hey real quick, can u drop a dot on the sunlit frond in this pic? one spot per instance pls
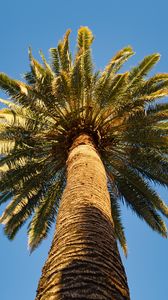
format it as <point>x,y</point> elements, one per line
<point>64,54</point>
<point>143,68</point>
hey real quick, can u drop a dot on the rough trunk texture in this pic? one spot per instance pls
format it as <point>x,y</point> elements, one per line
<point>84,262</point>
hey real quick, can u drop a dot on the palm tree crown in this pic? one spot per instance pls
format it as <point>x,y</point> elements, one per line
<point>63,99</point>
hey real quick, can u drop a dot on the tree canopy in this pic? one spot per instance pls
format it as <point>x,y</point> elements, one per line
<point>63,98</point>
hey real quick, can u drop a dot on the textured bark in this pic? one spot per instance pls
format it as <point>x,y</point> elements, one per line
<point>84,262</point>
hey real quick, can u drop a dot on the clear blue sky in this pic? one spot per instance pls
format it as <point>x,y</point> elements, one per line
<point>115,24</point>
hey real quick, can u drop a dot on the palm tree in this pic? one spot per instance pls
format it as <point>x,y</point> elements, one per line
<point>93,140</point>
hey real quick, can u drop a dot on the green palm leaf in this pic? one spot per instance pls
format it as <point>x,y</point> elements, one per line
<point>140,205</point>
<point>45,213</point>
<point>116,214</point>
<point>55,64</point>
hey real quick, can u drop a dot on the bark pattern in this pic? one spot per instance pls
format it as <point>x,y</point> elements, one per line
<point>84,262</point>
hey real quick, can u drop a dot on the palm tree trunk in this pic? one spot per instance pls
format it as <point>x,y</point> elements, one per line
<point>84,262</point>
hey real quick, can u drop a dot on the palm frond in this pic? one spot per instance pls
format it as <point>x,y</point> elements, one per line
<point>64,53</point>
<point>6,146</point>
<point>55,64</point>
<point>143,187</point>
<point>84,39</point>
<point>119,59</point>
<point>23,212</point>
<point>45,213</point>
<point>144,67</point>
<point>140,205</point>
<point>5,196</point>
<point>39,71</point>
<point>12,87</point>
<point>83,56</point>
<point>116,215</point>
<point>103,85</point>
<point>151,164</point>
<point>155,95</point>
<point>46,65</point>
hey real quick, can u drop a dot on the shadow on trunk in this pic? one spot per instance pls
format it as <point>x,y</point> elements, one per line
<point>95,270</point>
